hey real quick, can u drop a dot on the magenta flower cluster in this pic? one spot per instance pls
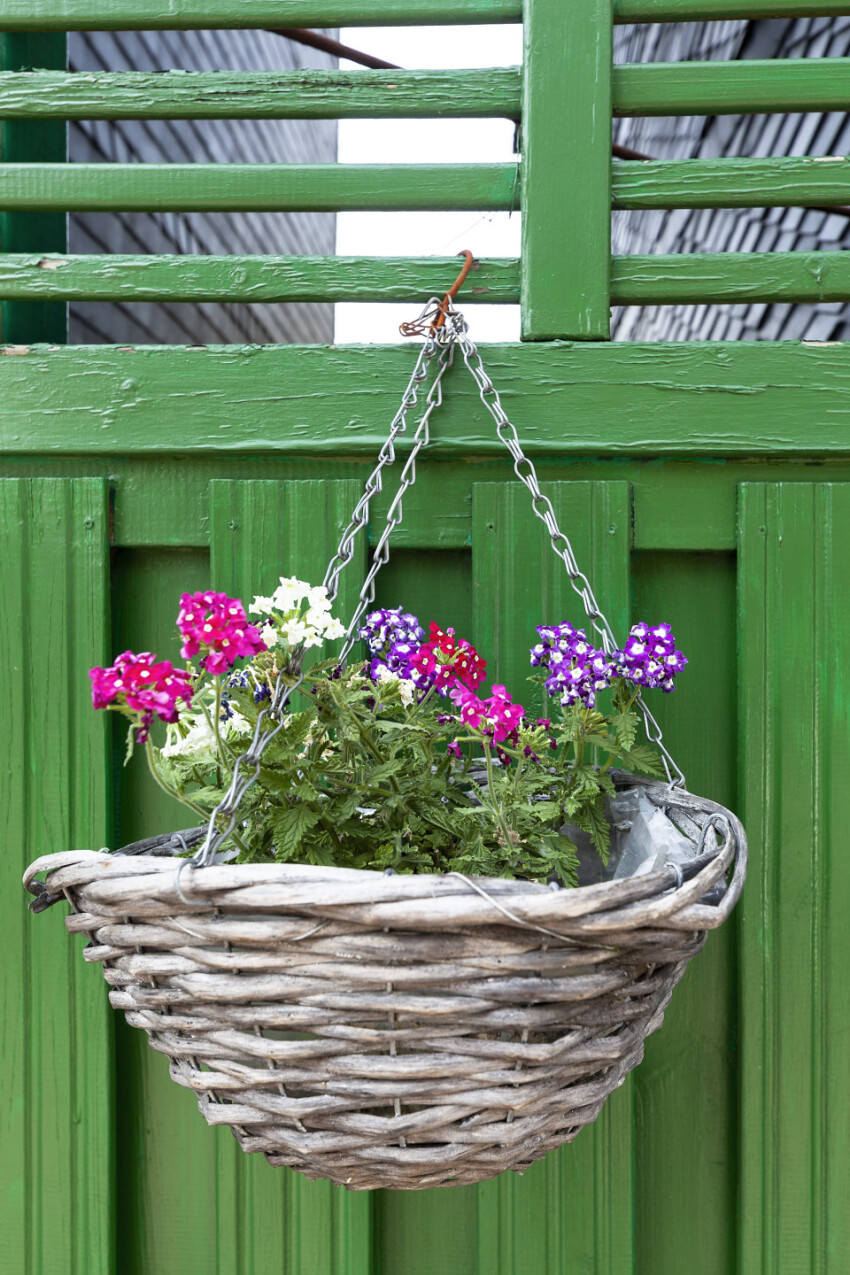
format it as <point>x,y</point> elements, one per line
<point>210,623</point>
<point>577,671</point>
<point>498,717</point>
<point>218,626</point>
<point>143,684</point>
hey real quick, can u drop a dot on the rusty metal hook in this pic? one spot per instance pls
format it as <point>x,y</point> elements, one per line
<point>418,327</point>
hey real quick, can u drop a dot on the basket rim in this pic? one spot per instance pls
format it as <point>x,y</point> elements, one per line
<point>669,896</point>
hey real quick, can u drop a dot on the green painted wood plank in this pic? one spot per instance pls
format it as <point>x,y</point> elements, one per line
<point>167,1156</point>
<point>732,88</point>
<point>28,319</point>
<point>57,1162</point>
<point>794,649</point>
<point>256,187</point>
<point>711,10</point>
<point>568,400</point>
<point>728,277</point>
<point>260,530</point>
<point>676,279</point>
<point>113,277</point>
<point>686,1190</point>
<point>572,1213</point>
<point>302,94</point>
<point>157,15</point>
<point>731,183</point>
<point>566,223</point>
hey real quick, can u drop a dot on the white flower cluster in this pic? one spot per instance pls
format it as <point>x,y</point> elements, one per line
<point>299,615</point>
<point>199,743</point>
<point>406,689</point>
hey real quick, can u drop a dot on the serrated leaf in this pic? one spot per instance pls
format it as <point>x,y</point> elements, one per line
<point>645,758</point>
<point>290,825</point>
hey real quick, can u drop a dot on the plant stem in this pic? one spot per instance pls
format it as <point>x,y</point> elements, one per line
<point>494,804</point>
<point>166,788</point>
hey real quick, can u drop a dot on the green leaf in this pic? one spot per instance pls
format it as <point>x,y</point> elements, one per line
<point>289,827</point>
<point>645,758</point>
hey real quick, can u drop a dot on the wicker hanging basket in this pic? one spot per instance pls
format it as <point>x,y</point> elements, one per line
<point>398,1031</point>
<point>401,1031</point>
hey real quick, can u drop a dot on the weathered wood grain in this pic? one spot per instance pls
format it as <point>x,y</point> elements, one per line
<point>303,94</point>
<point>568,400</point>
<point>153,15</point>
<point>259,278</point>
<point>676,279</point>
<point>500,1099</point>
<point>731,183</point>
<point>732,88</point>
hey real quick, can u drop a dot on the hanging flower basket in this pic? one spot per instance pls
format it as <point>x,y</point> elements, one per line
<point>383,1029</point>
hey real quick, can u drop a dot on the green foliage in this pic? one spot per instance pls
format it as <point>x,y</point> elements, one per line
<point>361,777</point>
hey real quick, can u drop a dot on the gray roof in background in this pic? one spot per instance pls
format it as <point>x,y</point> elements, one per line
<point>191,141</point>
<point>733,230</point>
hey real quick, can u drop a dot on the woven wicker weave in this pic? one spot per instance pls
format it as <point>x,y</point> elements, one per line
<point>397,1031</point>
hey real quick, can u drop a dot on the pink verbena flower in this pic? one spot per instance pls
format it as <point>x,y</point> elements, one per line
<point>144,685</point>
<point>498,717</point>
<point>503,715</point>
<point>216,624</point>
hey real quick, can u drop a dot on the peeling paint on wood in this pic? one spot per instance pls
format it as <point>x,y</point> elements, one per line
<point>577,399</point>
<point>303,94</point>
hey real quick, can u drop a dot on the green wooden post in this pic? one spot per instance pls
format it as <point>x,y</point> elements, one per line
<point>274,1219</point>
<point>794,597</point>
<point>42,141</point>
<point>566,170</point>
<point>56,1135</point>
<point>572,1214</point>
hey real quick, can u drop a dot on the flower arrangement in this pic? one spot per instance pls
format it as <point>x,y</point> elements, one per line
<point>398,760</point>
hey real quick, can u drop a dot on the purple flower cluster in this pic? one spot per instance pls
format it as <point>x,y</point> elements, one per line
<point>650,658</point>
<point>392,638</point>
<point>577,671</point>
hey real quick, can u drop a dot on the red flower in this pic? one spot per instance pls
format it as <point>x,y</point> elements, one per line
<point>448,661</point>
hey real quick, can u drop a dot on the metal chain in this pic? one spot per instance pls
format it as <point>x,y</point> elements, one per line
<point>542,506</point>
<point>246,768</point>
<point>421,438</point>
<point>452,333</point>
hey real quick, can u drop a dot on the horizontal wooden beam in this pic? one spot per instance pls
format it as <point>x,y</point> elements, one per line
<point>731,183</point>
<point>257,187</point>
<point>731,88</point>
<point>566,399</point>
<point>688,183</point>
<point>207,15</point>
<point>711,10</point>
<point>304,94</point>
<point>728,277</point>
<point>91,277</point>
<point>678,279</point>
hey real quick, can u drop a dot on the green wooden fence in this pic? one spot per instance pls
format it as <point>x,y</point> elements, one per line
<point>705,484</point>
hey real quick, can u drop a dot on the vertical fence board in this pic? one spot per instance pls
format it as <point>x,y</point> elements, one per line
<point>794,597</point>
<point>260,530</point>
<point>571,1214</point>
<point>566,170</point>
<point>56,1154</point>
<point>685,1088</point>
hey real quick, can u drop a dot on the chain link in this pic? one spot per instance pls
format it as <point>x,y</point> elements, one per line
<point>453,333</point>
